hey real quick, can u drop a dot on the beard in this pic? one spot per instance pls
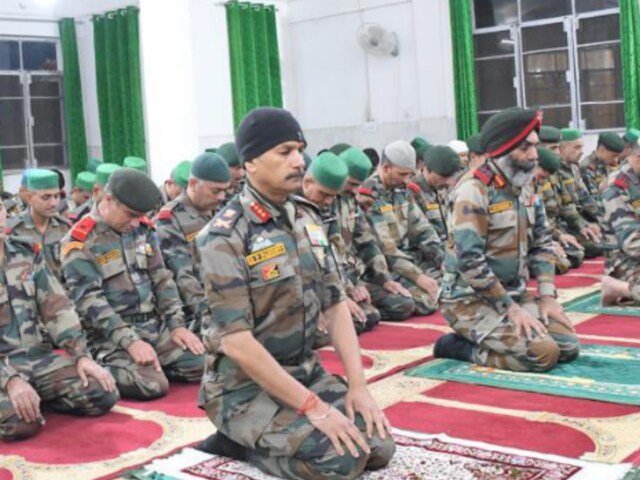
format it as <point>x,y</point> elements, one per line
<point>519,173</point>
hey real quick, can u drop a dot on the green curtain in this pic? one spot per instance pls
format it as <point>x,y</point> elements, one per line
<point>463,68</point>
<point>630,40</point>
<point>254,57</point>
<point>74,113</point>
<point>117,53</point>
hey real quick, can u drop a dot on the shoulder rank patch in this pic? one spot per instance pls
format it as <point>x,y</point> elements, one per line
<point>265,254</point>
<point>108,257</point>
<point>69,247</point>
<point>365,191</point>
<point>501,206</point>
<point>484,174</point>
<point>622,181</point>
<point>414,187</point>
<point>164,214</point>
<point>83,228</point>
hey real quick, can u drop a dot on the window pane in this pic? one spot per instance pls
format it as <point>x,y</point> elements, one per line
<point>14,158</point>
<point>45,86</point>
<point>493,44</point>
<point>608,115</point>
<point>545,78</point>
<point>10,86</point>
<point>557,117</point>
<point>544,37</point>
<point>599,29</point>
<point>39,56</point>
<point>47,127</point>
<point>494,80</point>
<point>9,55</point>
<point>12,123</point>
<point>592,5</point>
<point>600,73</point>
<point>539,9</point>
<point>490,13</point>
<point>49,156</point>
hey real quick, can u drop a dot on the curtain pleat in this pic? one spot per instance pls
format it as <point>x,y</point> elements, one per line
<point>630,42</point>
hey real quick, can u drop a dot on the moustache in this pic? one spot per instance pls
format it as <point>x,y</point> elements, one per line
<point>291,176</point>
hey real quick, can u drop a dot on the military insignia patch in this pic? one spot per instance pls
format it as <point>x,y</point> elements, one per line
<point>69,247</point>
<point>265,254</point>
<point>317,236</point>
<point>501,206</point>
<point>270,272</point>
<point>545,187</point>
<point>229,213</point>
<point>635,204</point>
<point>386,209</point>
<point>260,243</point>
<point>433,206</point>
<point>108,257</point>
<point>26,275</point>
<point>219,223</point>
<point>568,181</point>
<point>192,236</point>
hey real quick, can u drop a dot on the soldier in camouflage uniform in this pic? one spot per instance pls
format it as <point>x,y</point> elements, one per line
<point>30,373</point>
<point>578,209</point>
<point>630,138</point>
<point>430,187</point>
<point>176,183</point>
<point>128,300</point>
<point>550,138</point>
<point>82,190</point>
<point>476,155</point>
<point>229,152</point>
<point>41,222</point>
<point>596,167</point>
<point>498,231</point>
<point>18,203</point>
<point>103,172</point>
<point>568,251</point>
<point>409,242</point>
<point>179,222</point>
<point>268,275</point>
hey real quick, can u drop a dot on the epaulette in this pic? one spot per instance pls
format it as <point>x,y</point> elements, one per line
<point>147,222</point>
<point>82,229</point>
<point>226,219</point>
<point>26,242</point>
<point>414,187</point>
<point>486,175</point>
<point>13,222</point>
<point>259,211</point>
<point>622,181</point>
<point>164,214</point>
<point>365,191</point>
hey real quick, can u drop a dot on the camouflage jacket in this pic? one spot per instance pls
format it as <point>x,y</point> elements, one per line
<point>497,234</point>
<point>30,294</point>
<point>14,205</point>
<point>578,206</point>
<point>356,244</point>
<point>23,226</point>
<point>80,212</point>
<point>266,269</point>
<point>177,225</point>
<point>621,200</point>
<point>594,173</point>
<point>405,234</point>
<point>432,203</point>
<point>112,276</point>
<point>549,190</point>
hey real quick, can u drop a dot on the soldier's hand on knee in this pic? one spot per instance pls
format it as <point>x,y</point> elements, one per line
<point>361,294</point>
<point>397,288</point>
<point>88,368</point>
<point>429,285</point>
<point>144,354</point>
<point>359,400</point>
<point>551,308</point>
<point>24,399</point>
<point>338,428</point>
<point>184,338</point>
<point>525,322</point>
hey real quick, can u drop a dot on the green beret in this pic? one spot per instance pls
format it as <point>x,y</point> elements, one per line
<point>570,134</point>
<point>473,142</point>
<point>136,163</point>
<point>442,160</point>
<point>229,152</point>
<point>548,161</point>
<point>632,136</point>
<point>40,179</point>
<point>358,164</point>
<point>338,148</point>
<point>93,164</point>
<point>211,167</point>
<point>550,134</point>
<point>420,145</point>
<point>85,181</point>
<point>611,142</point>
<point>329,170</point>
<point>504,131</point>
<point>134,189</point>
<point>180,174</point>
<point>104,171</point>
<point>307,160</point>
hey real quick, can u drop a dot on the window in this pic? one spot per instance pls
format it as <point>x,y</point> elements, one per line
<point>562,56</point>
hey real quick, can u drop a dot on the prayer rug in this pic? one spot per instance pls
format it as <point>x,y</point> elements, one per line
<point>592,303</point>
<point>601,372</point>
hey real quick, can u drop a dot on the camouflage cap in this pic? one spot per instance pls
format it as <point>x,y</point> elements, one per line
<point>180,174</point>
<point>358,164</point>
<point>104,171</point>
<point>611,141</point>
<point>549,134</point>
<point>85,181</point>
<point>548,161</point>
<point>41,179</point>
<point>135,163</point>
<point>134,189</point>
<point>442,160</point>
<point>329,170</point>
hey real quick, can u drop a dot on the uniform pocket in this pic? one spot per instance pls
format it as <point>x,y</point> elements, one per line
<point>113,268</point>
<point>503,220</point>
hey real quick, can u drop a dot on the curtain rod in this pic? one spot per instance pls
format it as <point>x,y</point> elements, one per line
<point>222,4</point>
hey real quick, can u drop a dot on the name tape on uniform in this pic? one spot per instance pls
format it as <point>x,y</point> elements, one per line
<point>501,206</point>
<point>266,254</point>
<point>191,236</point>
<point>108,257</point>
<point>433,206</point>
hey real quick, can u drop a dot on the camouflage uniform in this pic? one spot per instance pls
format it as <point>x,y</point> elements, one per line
<point>15,205</point>
<point>58,226</point>
<point>497,234</point>
<point>433,205</point>
<point>409,242</point>
<point>124,293</point>
<point>177,225</point>
<point>594,173</point>
<point>268,270</point>
<point>360,258</point>
<point>548,189</point>
<point>576,207</point>
<point>30,293</point>
<point>80,212</point>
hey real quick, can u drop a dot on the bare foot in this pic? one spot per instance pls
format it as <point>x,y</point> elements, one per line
<point>613,290</point>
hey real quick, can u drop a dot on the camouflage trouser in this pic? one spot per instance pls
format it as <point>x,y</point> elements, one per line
<point>143,382</point>
<point>291,448</point>
<point>575,255</point>
<point>56,380</point>
<point>591,249</point>
<point>373,318</point>
<point>392,307</point>
<point>501,347</point>
<point>631,276</point>
<point>562,264</point>
<point>424,304</point>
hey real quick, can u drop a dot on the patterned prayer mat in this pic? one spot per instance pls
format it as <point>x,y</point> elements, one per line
<point>592,303</point>
<point>601,372</point>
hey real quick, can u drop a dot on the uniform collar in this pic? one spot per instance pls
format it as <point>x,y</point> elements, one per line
<point>628,171</point>
<point>257,207</point>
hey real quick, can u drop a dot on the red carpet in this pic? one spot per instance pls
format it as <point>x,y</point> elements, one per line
<point>331,362</point>
<point>569,281</point>
<point>434,319</point>
<point>592,267</point>
<point>611,326</point>
<point>388,337</point>
<point>5,474</point>
<point>182,401</point>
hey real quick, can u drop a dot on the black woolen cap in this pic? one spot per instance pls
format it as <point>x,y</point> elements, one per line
<point>264,128</point>
<point>134,189</point>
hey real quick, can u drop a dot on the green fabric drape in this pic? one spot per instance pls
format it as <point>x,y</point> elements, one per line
<point>117,53</point>
<point>630,40</point>
<point>254,57</point>
<point>463,68</point>
<point>74,113</point>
